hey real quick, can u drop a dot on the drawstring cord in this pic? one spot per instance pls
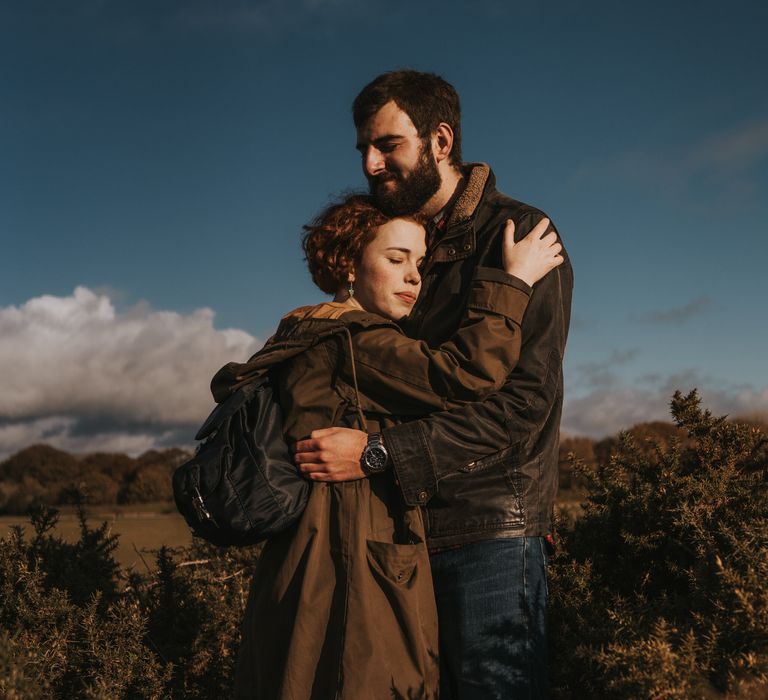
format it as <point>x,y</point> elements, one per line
<point>358,406</point>
<point>253,373</point>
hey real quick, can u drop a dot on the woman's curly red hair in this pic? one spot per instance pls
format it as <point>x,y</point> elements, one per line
<point>336,238</point>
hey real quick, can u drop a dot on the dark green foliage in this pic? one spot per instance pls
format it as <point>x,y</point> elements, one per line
<point>662,590</point>
<point>194,606</point>
<point>64,633</point>
<point>72,625</point>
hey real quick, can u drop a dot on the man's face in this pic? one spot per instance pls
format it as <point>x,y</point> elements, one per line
<point>401,169</point>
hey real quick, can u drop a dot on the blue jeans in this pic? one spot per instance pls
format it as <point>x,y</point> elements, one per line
<point>491,607</point>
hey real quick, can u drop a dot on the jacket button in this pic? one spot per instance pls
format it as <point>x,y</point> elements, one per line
<point>422,496</point>
<point>451,251</point>
<point>467,246</point>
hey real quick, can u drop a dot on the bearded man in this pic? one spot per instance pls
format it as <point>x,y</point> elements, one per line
<point>485,474</point>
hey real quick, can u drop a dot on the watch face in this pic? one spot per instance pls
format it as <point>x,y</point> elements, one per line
<point>376,458</point>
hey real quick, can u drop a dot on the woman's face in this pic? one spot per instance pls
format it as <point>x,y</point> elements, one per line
<point>387,279</point>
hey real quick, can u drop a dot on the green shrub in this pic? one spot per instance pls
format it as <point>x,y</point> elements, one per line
<point>662,588</point>
<point>73,625</point>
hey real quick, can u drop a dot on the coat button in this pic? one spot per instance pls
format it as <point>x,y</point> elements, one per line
<point>467,246</point>
<point>451,251</point>
<point>422,497</point>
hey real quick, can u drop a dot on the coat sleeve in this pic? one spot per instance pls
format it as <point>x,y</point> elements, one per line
<point>426,450</point>
<point>397,374</point>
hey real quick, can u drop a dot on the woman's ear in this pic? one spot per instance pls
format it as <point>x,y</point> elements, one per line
<point>351,275</point>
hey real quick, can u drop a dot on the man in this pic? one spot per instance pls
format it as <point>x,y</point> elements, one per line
<point>485,474</point>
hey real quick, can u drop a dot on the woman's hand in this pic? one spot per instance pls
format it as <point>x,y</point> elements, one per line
<point>534,256</point>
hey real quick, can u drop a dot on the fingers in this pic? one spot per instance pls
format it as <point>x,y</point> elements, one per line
<point>319,476</point>
<point>551,245</point>
<point>316,457</point>
<point>314,442</point>
<point>306,446</point>
<point>541,228</point>
<point>509,237</point>
<point>322,432</point>
<point>549,239</point>
<point>308,468</point>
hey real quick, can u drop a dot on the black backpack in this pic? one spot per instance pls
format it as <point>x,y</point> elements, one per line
<point>241,486</point>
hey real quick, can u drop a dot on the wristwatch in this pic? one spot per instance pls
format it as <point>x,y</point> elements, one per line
<point>375,457</point>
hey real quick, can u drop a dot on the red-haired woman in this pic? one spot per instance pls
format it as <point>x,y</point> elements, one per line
<point>342,604</point>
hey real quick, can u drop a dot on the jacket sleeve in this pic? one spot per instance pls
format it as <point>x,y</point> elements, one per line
<point>403,376</point>
<point>426,450</point>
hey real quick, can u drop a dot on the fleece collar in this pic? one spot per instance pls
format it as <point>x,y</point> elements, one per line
<point>459,238</point>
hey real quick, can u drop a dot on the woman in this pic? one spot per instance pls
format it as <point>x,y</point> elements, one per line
<point>342,604</point>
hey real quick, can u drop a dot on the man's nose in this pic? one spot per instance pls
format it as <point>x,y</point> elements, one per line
<point>373,161</point>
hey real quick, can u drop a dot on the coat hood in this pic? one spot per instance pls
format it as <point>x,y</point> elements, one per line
<point>298,331</point>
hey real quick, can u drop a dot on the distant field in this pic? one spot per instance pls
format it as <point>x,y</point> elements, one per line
<point>142,527</point>
<point>147,526</point>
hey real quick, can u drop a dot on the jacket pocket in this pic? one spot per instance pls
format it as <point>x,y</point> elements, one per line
<point>395,563</point>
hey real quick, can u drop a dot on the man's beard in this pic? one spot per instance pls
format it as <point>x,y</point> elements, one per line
<point>412,191</point>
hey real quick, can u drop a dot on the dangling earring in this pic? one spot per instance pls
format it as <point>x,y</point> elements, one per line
<point>351,289</point>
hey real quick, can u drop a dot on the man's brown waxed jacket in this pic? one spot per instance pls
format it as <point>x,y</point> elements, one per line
<point>488,469</point>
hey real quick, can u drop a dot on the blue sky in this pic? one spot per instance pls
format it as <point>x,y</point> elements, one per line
<point>162,157</point>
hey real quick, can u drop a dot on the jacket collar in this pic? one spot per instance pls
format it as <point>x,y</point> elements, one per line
<point>458,241</point>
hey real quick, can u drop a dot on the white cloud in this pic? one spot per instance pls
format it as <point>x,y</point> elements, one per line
<point>138,374</point>
<point>78,374</point>
<point>607,408</point>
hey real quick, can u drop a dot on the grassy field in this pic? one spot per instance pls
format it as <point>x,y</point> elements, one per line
<point>146,527</point>
<point>142,528</point>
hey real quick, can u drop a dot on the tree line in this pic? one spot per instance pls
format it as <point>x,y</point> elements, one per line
<point>42,475</point>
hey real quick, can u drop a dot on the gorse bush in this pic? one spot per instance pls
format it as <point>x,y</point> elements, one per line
<point>73,626</point>
<point>662,590</point>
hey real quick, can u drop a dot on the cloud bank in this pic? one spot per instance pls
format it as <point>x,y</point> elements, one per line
<point>600,402</point>
<point>78,374</point>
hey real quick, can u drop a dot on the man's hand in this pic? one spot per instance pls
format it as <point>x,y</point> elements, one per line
<point>332,454</point>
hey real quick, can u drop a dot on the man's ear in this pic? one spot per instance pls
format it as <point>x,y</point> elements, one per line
<point>442,141</point>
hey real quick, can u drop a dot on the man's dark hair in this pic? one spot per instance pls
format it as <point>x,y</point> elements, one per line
<point>425,97</point>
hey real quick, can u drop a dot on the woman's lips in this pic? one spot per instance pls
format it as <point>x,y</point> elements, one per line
<point>407,297</point>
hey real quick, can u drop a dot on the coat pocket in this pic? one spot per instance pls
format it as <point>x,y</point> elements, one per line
<point>395,621</point>
<point>396,563</point>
